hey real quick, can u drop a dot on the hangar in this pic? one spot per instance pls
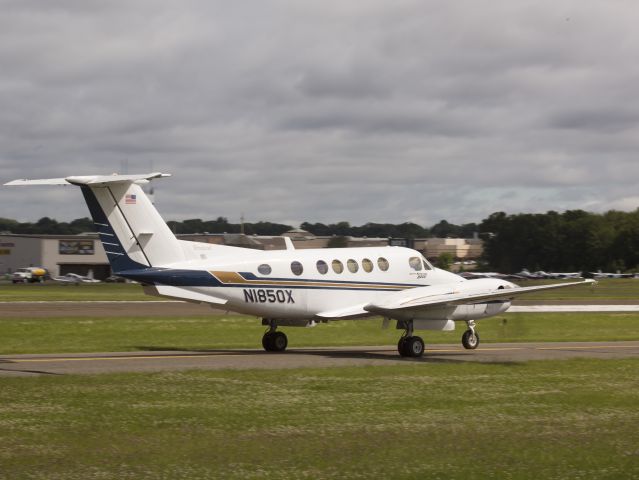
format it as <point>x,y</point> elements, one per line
<point>59,254</point>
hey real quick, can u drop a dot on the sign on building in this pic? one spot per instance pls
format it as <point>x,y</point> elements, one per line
<point>76,247</point>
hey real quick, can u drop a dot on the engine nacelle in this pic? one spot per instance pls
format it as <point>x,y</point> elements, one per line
<point>479,310</point>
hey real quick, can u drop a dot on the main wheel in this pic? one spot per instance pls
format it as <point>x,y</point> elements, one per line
<point>279,342</point>
<point>470,340</point>
<point>414,347</point>
<point>401,347</point>
<point>267,341</point>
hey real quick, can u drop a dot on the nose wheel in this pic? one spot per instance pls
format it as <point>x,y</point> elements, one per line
<point>470,338</point>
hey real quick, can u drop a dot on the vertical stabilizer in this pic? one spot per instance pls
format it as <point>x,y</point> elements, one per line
<point>133,233</point>
<point>142,233</point>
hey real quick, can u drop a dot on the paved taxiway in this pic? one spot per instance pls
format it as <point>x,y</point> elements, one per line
<point>150,361</point>
<point>176,308</point>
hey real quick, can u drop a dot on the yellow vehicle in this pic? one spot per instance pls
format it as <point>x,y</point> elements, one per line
<point>29,275</point>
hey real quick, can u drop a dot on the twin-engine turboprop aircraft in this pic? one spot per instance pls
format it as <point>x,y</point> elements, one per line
<point>285,287</point>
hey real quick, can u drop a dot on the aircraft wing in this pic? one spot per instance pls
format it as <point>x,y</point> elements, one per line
<point>423,298</point>
<point>344,313</point>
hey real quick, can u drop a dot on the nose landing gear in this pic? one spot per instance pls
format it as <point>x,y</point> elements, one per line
<point>470,338</point>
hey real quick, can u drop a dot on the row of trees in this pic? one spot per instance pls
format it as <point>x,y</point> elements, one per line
<point>222,225</point>
<point>571,241</point>
<point>443,229</point>
<point>47,226</point>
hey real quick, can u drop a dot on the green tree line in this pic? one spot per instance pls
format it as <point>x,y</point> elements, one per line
<point>575,240</point>
<point>442,229</point>
<point>571,241</point>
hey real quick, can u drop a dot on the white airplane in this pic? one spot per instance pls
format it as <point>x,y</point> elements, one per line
<point>552,275</point>
<point>286,287</point>
<point>74,278</point>
<point>618,274</point>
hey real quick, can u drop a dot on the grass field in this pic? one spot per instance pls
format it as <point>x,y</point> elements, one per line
<point>605,289</point>
<point>540,420</point>
<point>608,289</point>
<point>50,291</point>
<point>58,335</point>
<point>550,420</point>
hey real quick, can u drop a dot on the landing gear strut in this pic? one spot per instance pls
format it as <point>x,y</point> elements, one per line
<point>470,338</point>
<point>410,345</point>
<point>274,341</point>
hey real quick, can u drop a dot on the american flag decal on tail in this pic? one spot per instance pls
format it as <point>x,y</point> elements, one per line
<point>130,199</point>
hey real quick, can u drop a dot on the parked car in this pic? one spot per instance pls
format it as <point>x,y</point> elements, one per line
<point>115,279</point>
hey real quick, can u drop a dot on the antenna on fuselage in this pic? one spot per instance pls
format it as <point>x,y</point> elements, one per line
<point>289,243</point>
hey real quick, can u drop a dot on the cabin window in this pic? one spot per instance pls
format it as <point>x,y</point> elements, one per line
<point>322,267</point>
<point>415,263</point>
<point>367,265</point>
<point>382,263</point>
<point>297,268</point>
<point>338,267</point>
<point>264,269</point>
<point>352,266</point>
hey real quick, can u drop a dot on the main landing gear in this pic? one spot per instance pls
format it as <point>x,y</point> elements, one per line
<point>410,345</point>
<point>274,341</point>
<point>470,338</point>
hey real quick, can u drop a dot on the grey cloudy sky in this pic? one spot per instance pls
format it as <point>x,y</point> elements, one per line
<point>293,110</point>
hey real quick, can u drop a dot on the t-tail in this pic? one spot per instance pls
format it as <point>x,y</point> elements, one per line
<point>134,235</point>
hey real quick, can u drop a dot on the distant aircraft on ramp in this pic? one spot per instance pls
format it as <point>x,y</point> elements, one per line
<point>552,275</point>
<point>286,287</point>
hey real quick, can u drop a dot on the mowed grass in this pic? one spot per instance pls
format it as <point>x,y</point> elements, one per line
<point>52,292</point>
<point>539,420</point>
<point>606,289</point>
<point>621,289</point>
<point>58,335</point>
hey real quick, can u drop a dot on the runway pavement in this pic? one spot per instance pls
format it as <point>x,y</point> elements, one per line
<point>176,308</point>
<point>153,361</point>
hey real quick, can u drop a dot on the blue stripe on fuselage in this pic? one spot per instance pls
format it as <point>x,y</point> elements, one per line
<point>251,276</point>
<point>202,278</point>
<point>173,277</point>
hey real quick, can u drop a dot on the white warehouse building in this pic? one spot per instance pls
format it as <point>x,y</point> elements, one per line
<point>59,254</point>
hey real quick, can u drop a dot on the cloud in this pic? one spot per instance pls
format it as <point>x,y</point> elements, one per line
<point>289,111</point>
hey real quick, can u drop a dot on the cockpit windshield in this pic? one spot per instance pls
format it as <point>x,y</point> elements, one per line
<point>415,263</point>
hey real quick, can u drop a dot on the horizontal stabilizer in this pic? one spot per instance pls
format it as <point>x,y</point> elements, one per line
<point>182,294</point>
<point>90,179</point>
<point>44,181</point>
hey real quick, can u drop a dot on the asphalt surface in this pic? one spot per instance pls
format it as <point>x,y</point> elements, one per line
<point>105,309</point>
<point>153,361</point>
<point>178,309</point>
